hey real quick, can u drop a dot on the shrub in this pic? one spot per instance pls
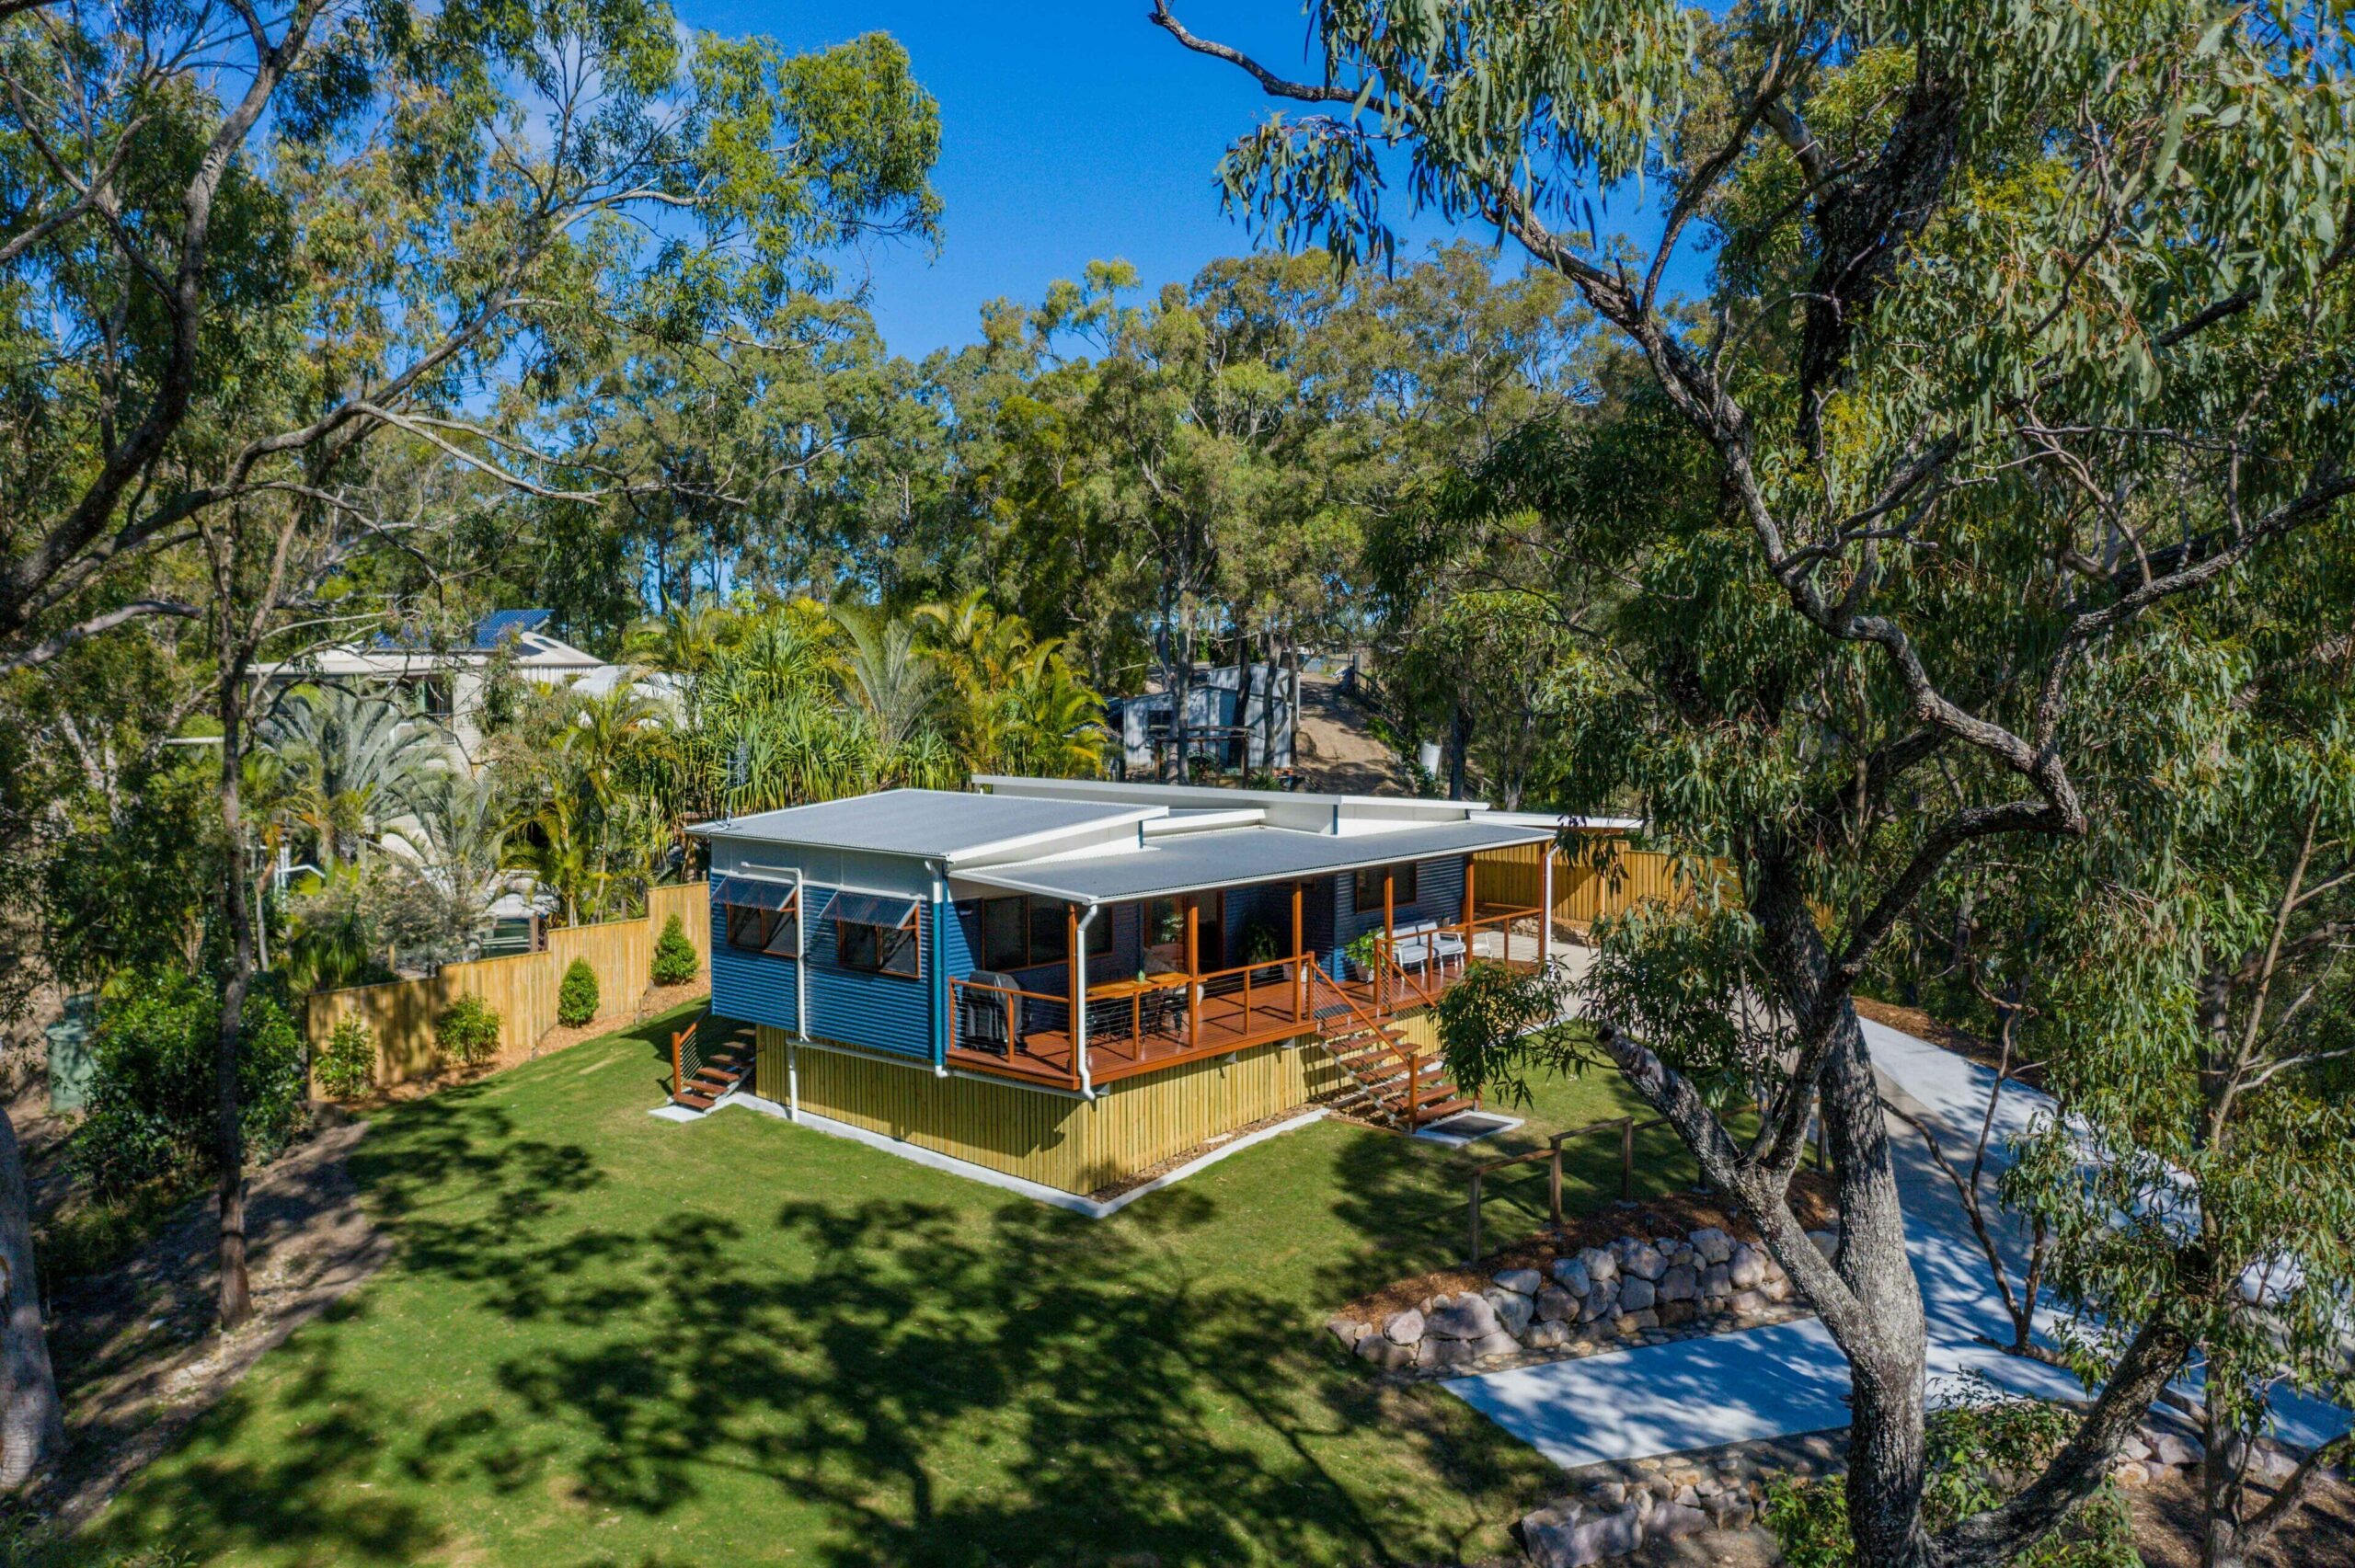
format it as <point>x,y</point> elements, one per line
<point>1978,1453</point>
<point>151,1103</point>
<point>467,1030</point>
<point>576,999</point>
<point>345,1068</point>
<point>674,957</point>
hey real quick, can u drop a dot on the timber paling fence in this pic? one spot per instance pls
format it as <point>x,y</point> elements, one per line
<point>1583,892</point>
<point>521,988</point>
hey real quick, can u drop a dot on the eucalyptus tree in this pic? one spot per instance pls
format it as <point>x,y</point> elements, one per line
<point>2005,270</point>
<point>2181,977</point>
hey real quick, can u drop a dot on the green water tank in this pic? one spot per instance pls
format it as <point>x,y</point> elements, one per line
<point>73,1059</point>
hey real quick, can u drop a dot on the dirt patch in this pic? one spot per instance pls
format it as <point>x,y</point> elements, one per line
<point>1962,1042</point>
<point>2168,1519</point>
<point>134,1348</point>
<point>1334,753</point>
<point>1163,1167</point>
<point>1676,1214</point>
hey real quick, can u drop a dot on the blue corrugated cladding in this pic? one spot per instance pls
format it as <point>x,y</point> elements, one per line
<point>883,1012</point>
<point>1438,895</point>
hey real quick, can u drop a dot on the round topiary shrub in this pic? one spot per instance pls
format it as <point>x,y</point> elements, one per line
<point>467,1030</point>
<point>345,1068</point>
<point>575,998</point>
<point>674,957</point>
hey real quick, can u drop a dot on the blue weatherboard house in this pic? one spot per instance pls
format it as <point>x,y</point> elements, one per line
<point>1071,981</point>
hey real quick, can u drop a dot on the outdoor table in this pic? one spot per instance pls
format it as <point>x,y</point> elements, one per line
<point>1134,991</point>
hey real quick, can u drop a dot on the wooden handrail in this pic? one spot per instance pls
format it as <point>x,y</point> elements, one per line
<point>679,1061</point>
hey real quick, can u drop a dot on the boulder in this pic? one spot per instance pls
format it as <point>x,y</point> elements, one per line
<point>1729,1511</point>
<point>1461,1317</point>
<point>2130,1472</point>
<point>1678,1283</point>
<point>1776,1288</point>
<point>1498,1343</point>
<point>1573,1275</point>
<point>1671,1521</point>
<point>1556,1305</point>
<point>2169,1448</point>
<point>1643,1261</point>
<point>1713,1245</point>
<point>1600,1264</point>
<point>1573,1541</point>
<point>1826,1241</point>
<point>1520,1281</point>
<point>1513,1310</point>
<point>1627,1323</point>
<point>1717,1283</point>
<point>1347,1331</point>
<point>1551,1334</point>
<point>1637,1294</point>
<point>1675,1314</point>
<point>1439,1354</point>
<point>1386,1352</point>
<point>1603,1303</point>
<point>1404,1328</point>
<point>1744,1269</point>
<point>1744,1302</point>
<point>1608,1493</point>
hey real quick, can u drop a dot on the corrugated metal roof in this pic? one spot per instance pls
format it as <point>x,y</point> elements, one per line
<point>922,822</point>
<point>1190,861</point>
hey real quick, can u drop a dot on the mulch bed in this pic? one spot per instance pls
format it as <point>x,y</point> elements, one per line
<point>1677,1214</point>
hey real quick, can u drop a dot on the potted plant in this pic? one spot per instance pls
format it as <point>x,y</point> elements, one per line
<point>1364,950</point>
<point>1258,945</point>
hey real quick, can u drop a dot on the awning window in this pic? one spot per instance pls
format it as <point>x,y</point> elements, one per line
<point>871,909</point>
<point>876,934</point>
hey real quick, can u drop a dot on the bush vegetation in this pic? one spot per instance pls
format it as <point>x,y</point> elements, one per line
<point>151,1103</point>
<point>467,1031</point>
<point>674,957</point>
<point>345,1068</point>
<point>1979,1453</point>
<point>575,998</point>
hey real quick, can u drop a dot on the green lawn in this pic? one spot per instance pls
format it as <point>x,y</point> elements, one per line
<point>611,1340</point>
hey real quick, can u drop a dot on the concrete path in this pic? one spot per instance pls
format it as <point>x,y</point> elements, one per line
<point>1770,1382</point>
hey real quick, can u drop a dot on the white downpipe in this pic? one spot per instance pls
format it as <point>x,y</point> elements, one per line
<point>1079,1024</point>
<point>931,979</point>
<point>792,1082</point>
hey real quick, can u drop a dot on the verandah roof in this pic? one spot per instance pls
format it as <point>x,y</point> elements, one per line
<point>1194,862</point>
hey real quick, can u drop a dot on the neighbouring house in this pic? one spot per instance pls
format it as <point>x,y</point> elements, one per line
<point>1227,721</point>
<point>449,684</point>
<point>1071,982</point>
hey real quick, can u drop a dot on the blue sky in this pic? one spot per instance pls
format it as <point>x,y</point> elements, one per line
<point>1071,131</point>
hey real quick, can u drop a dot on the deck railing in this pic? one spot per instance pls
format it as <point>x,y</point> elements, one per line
<point>1002,1021</point>
<point>1246,1001</point>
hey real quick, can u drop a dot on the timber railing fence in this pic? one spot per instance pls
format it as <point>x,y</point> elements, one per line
<point>522,989</point>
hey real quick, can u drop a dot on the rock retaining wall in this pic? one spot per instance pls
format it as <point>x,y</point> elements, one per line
<point>1635,1290</point>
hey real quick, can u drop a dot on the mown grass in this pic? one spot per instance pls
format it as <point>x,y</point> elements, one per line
<point>608,1339</point>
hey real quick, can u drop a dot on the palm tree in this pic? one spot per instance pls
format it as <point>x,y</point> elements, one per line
<point>689,640</point>
<point>888,677</point>
<point>350,763</point>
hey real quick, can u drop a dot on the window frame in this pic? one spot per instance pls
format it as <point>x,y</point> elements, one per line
<point>1099,933</point>
<point>913,931</point>
<point>784,920</point>
<point>1367,902</point>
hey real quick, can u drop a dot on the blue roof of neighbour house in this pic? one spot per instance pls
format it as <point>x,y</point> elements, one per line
<point>1234,857</point>
<point>931,823</point>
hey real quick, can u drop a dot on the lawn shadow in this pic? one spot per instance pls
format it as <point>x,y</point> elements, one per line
<point>902,1370</point>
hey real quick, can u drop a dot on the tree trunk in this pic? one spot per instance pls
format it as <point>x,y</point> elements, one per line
<point>1459,740</point>
<point>1181,693</point>
<point>32,1430</point>
<point>1268,707</point>
<point>1886,1346</point>
<point>229,1149</point>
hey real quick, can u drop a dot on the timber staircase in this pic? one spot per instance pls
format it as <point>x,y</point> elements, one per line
<point>1389,1082</point>
<point>701,1074</point>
